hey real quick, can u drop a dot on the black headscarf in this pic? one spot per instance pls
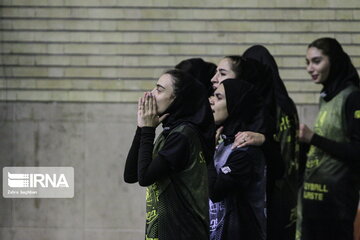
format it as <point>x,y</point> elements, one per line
<point>191,105</point>
<point>342,71</point>
<point>200,70</point>
<point>262,55</point>
<point>255,73</point>
<point>243,104</point>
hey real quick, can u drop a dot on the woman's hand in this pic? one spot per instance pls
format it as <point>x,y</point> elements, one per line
<point>243,139</point>
<point>218,133</point>
<point>305,133</point>
<point>147,112</point>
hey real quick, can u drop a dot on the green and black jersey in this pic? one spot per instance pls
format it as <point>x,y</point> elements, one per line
<point>177,206</point>
<point>282,204</point>
<point>331,186</point>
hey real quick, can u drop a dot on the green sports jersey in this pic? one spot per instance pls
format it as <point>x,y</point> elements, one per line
<point>177,206</point>
<point>331,187</point>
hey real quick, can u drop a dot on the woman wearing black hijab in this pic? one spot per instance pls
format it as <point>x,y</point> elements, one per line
<point>174,168</point>
<point>237,176</point>
<point>331,182</point>
<point>200,70</point>
<point>253,72</point>
<point>283,206</point>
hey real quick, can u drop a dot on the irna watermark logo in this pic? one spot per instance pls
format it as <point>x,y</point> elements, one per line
<point>38,182</point>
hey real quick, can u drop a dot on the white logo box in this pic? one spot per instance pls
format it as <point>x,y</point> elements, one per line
<point>38,182</point>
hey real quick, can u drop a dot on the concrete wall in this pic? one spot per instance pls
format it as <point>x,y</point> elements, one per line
<point>71,71</point>
<point>92,138</point>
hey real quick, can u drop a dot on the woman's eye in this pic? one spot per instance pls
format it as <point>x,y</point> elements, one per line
<point>317,60</point>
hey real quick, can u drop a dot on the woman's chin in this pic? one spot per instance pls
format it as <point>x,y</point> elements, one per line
<point>218,123</point>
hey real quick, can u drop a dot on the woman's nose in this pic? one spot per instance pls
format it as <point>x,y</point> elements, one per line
<point>211,100</point>
<point>309,68</point>
<point>214,79</point>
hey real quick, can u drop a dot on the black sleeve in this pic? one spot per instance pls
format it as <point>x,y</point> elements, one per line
<point>234,175</point>
<point>304,149</point>
<point>130,172</point>
<point>347,152</point>
<point>172,157</point>
<point>273,157</point>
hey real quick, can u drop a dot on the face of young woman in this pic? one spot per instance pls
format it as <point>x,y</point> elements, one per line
<point>223,71</point>
<point>219,106</point>
<point>318,65</point>
<point>164,93</point>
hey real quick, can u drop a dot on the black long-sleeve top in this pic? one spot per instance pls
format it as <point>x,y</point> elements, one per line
<point>140,165</point>
<point>240,184</point>
<point>221,184</point>
<point>345,151</point>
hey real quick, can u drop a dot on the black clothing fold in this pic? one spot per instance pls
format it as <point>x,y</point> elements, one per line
<point>261,54</point>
